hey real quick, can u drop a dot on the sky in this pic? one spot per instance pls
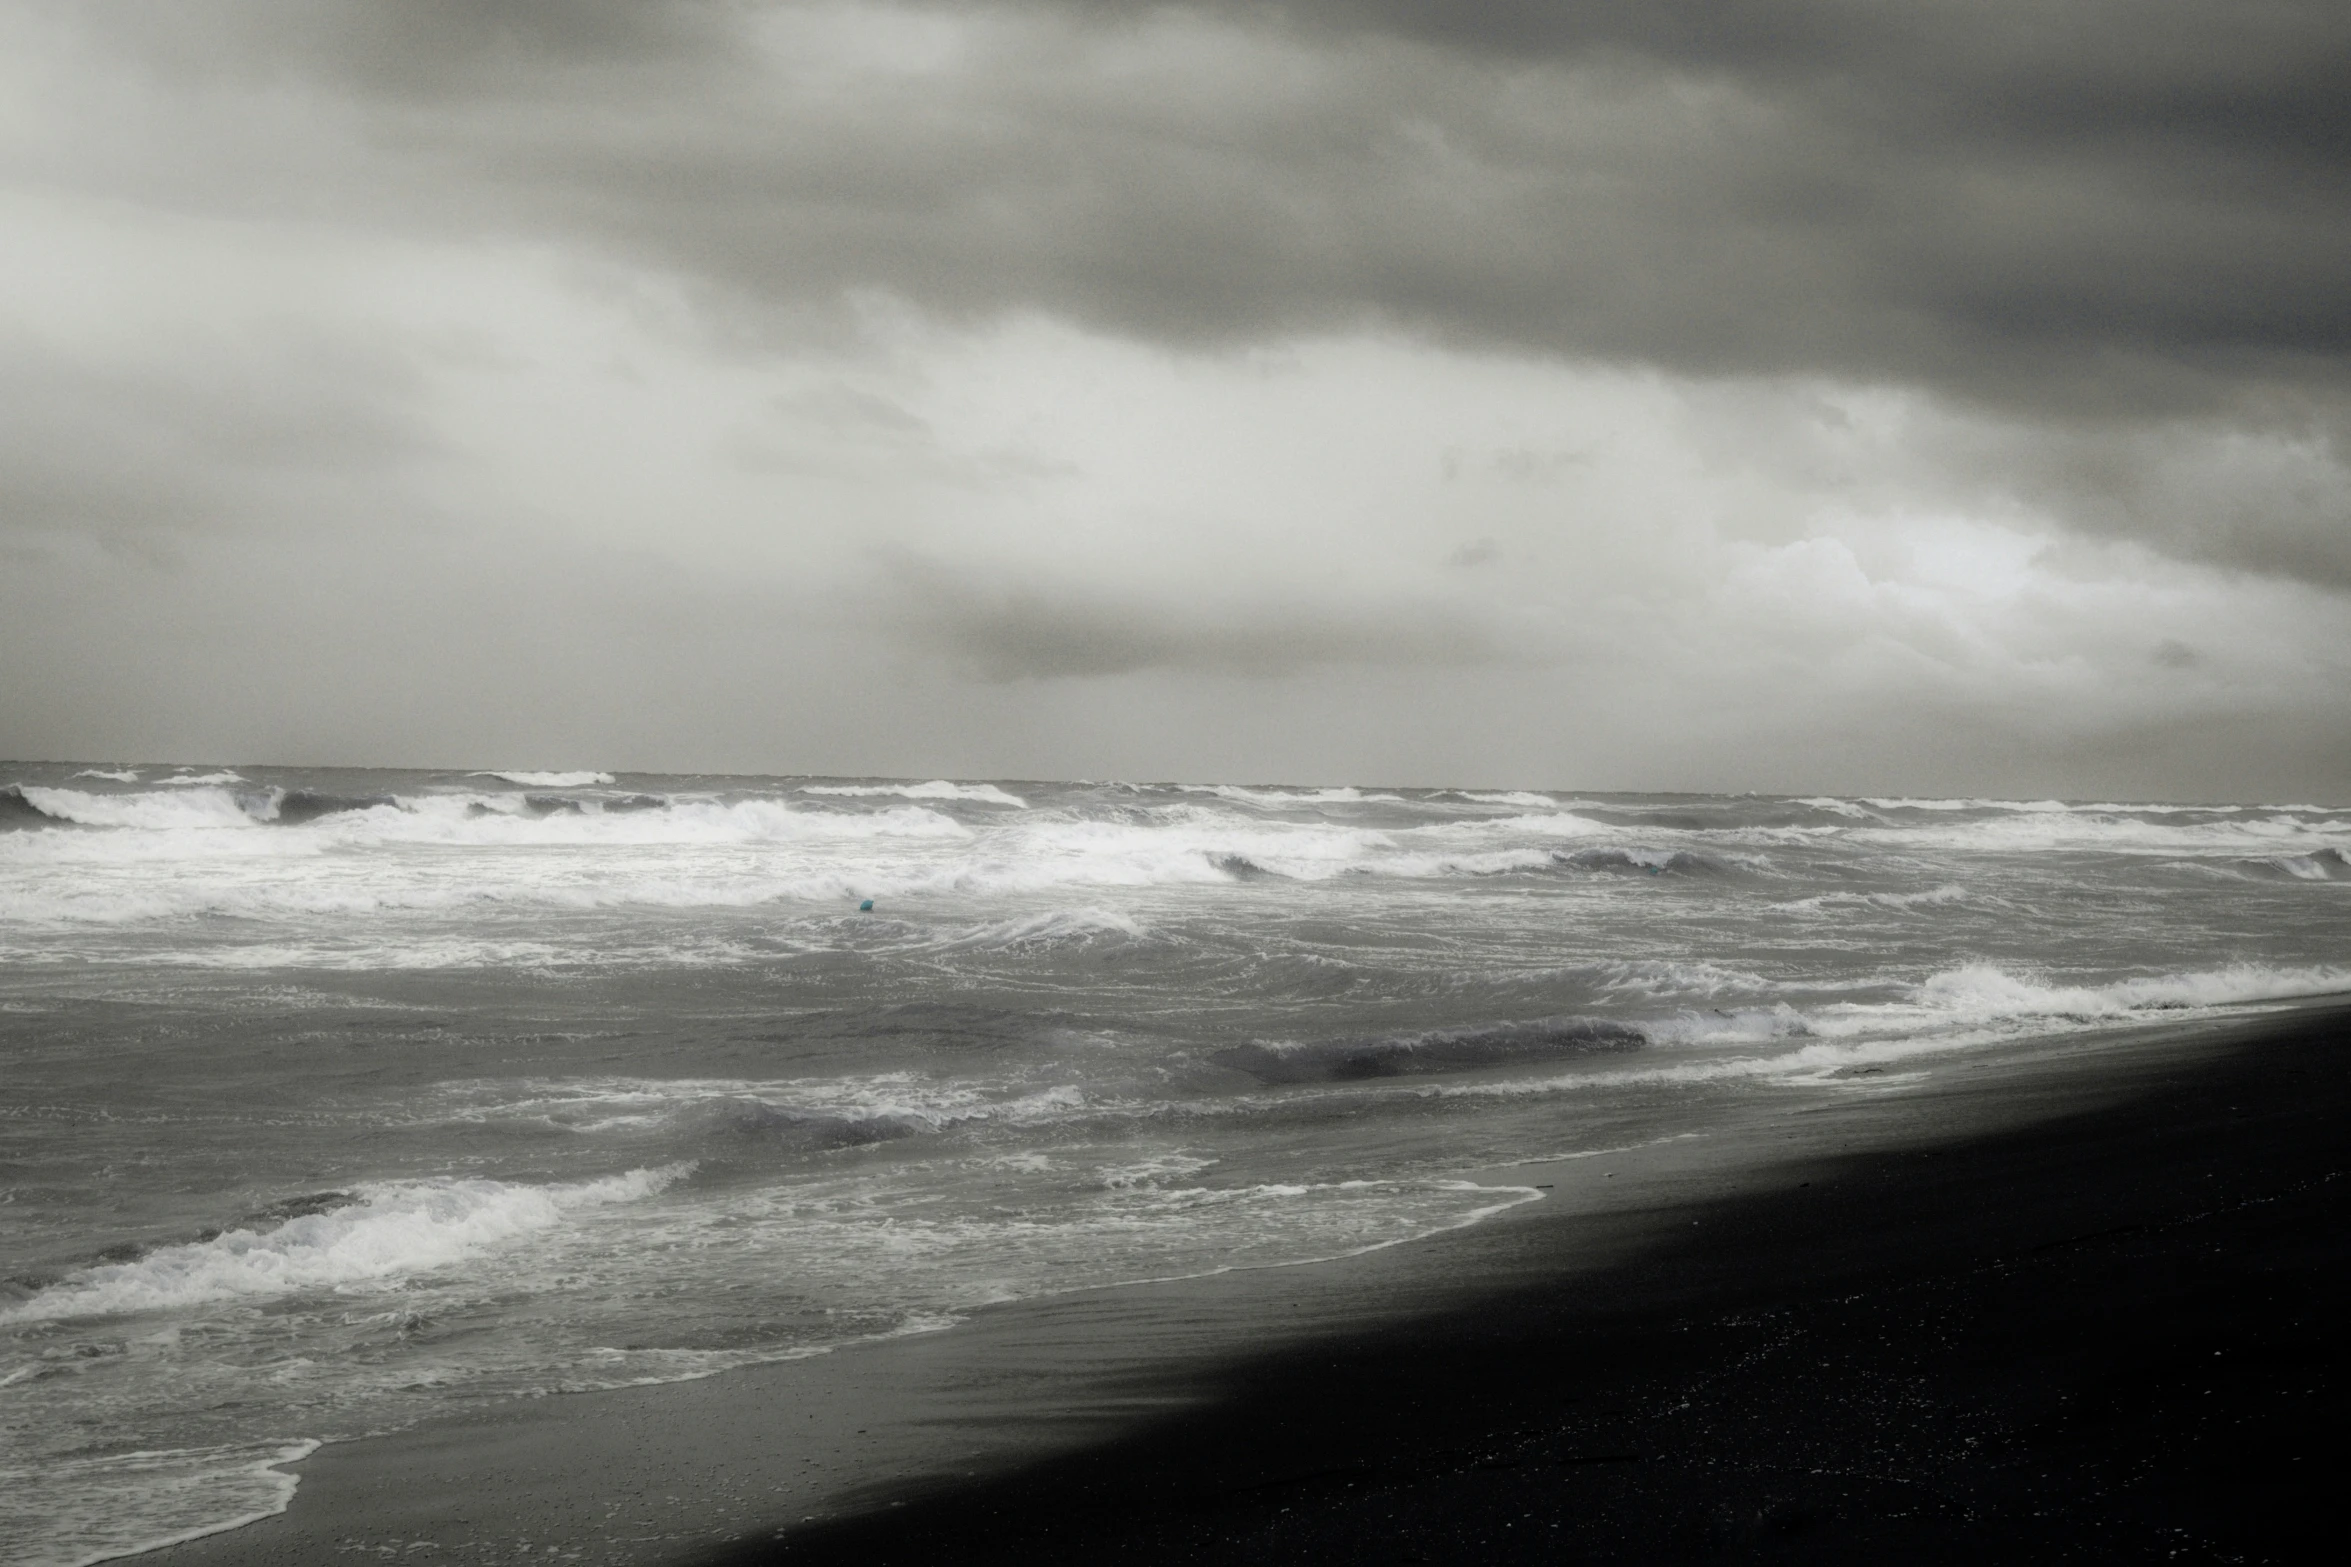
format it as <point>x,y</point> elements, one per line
<point>1780,395</point>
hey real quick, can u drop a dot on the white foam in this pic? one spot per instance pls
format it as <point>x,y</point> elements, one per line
<point>205,806</point>
<point>1938,896</point>
<point>632,1104</point>
<point>1988,1000</point>
<point>1829,803</point>
<point>531,780</point>
<point>1907,803</point>
<point>1345,794</point>
<point>1959,1009</point>
<point>185,779</point>
<point>2023,829</point>
<point>1984,991</point>
<point>75,1511</point>
<point>936,789</point>
<point>690,853</point>
<point>2310,867</point>
<point>1672,977</point>
<point>394,1229</point>
<point>110,774</point>
<point>1051,928</point>
<point>2076,807</point>
<point>1158,1170</point>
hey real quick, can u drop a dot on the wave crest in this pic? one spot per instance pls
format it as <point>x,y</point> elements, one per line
<point>936,789</point>
<point>532,780</point>
<point>393,1229</point>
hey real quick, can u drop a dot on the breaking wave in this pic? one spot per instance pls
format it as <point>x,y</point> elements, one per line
<point>189,806</point>
<point>384,1231</point>
<point>1637,860</point>
<point>530,780</point>
<point>1989,992</point>
<point>1343,795</point>
<point>2319,865</point>
<point>936,789</point>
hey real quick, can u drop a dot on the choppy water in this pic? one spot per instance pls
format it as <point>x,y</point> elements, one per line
<point>336,1098</point>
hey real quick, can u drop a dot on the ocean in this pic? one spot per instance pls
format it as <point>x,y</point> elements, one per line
<point>334,1099</point>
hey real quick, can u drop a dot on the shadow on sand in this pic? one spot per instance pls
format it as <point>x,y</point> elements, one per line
<point>2113,1336</point>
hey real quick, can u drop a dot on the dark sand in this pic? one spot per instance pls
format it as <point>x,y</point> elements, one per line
<point>2089,1310</point>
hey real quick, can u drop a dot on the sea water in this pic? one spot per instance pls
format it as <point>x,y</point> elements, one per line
<point>331,1100</point>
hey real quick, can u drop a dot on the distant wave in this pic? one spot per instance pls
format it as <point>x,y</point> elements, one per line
<point>936,789</point>
<point>392,1229</point>
<point>530,780</point>
<point>2061,807</point>
<point>198,780</point>
<point>1634,860</point>
<point>110,774</point>
<point>2119,830</point>
<point>1342,795</point>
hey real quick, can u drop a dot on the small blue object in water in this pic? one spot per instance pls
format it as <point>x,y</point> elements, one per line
<point>866,907</point>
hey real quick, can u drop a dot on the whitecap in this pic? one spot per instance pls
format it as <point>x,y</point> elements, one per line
<point>531,780</point>
<point>936,789</point>
<point>194,806</point>
<point>393,1229</point>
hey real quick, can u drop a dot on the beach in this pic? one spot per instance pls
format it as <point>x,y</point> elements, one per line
<point>1053,783</point>
<point>2080,1308</point>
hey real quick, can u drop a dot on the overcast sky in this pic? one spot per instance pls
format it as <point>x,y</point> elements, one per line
<point>1784,395</point>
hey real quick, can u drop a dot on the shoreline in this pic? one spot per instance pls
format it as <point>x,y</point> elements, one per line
<point>861,1451</point>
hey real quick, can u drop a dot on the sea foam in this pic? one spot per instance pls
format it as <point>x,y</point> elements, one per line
<point>94,1509</point>
<point>531,780</point>
<point>936,789</point>
<point>392,1229</point>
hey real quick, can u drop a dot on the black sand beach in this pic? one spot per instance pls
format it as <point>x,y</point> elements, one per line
<point>2081,1312</point>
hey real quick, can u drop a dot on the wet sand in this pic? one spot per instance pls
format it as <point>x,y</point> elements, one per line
<point>2084,1307</point>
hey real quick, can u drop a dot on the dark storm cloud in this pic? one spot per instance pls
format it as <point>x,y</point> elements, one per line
<point>2122,205</point>
<point>2154,155</point>
<point>2102,216</point>
<point>429,47</point>
<point>1042,631</point>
